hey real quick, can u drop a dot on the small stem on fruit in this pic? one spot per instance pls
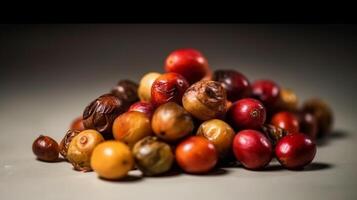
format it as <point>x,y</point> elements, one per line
<point>83,140</point>
<point>254,113</point>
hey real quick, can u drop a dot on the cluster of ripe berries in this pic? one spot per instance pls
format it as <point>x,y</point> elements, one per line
<point>194,117</point>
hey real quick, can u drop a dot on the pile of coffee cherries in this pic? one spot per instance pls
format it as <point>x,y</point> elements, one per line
<point>191,118</point>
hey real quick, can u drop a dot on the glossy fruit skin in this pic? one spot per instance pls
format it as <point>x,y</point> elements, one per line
<point>152,156</point>
<point>63,146</point>
<point>287,121</point>
<point>168,87</point>
<point>126,90</point>
<point>112,160</point>
<point>205,100</point>
<point>295,151</point>
<point>308,124</point>
<point>190,63</point>
<point>252,149</point>
<point>267,92</point>
<point>77,124</point>
<point>45,148</point>
<point>81,147</point>
<point>235,83</point>
<point>130,127</point>
<point>287,101</point>
<point>219,133</point>
<point>145,107</point>
<point>101,113</point>
<point>196,155</point>
<point>323,114</point>
<point>247,113</point>
<point>171,122</point>
<point>144,90</point>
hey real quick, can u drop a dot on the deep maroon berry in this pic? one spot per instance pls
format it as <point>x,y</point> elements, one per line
<point>295,151</point>
<point>235,83</point>
<point>126,90</point>
<point>267,92</point>
<point>252,149</point>
<point>308,124</point>
<point>247,113</point>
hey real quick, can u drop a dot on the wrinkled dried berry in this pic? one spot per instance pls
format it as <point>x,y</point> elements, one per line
<point>273,133</point>
<point>66,141</point>
<point>205,100</point>
<point>101,113</point>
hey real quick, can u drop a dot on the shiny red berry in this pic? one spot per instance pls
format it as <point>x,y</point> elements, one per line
<point>287,121</point>
<point>190,63</point>
<point>295,151</point>
<point>247,113</point>
<point>252,149</point>
<point>196,154</point>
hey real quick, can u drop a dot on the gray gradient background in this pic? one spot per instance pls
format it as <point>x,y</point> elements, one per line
<point>49,73</point>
